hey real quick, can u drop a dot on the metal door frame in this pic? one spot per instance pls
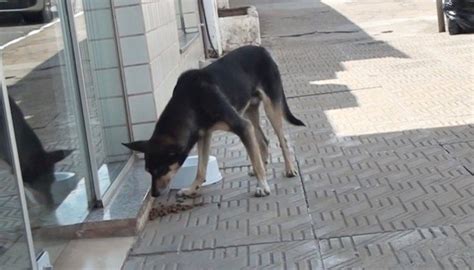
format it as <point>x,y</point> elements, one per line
<point>98,199</point>
<point>74,64</point>
<point>16,165</point>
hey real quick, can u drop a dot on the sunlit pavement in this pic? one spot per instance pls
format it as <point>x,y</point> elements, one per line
<point>386,160</point>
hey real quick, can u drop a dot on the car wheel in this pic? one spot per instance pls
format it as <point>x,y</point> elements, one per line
<point>43,16</point>
<point>453,28</point>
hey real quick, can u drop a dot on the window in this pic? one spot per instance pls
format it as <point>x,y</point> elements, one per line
<point>187,20</point>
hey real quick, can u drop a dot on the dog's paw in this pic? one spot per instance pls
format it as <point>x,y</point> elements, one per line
<point>262,192</point>
<point>291,173</point>
<point>187,193</point>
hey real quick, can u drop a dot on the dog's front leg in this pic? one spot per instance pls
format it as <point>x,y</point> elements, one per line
<point>203,158</point>
<point>247,134</point>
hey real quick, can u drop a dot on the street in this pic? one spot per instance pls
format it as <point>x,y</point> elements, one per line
<point>13,27</point>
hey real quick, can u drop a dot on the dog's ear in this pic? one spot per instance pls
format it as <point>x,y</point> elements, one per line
<point>56,156</point>
<point>139,146</point>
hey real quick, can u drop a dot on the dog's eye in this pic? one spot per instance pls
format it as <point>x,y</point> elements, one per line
<point>172,154</point>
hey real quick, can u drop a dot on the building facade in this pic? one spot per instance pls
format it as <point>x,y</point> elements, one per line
<point>82,77</point>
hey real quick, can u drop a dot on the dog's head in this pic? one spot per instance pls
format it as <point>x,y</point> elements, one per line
<point>162,161</point>
<point>34,164</point>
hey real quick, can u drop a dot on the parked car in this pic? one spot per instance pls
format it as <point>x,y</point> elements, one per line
<point>37,11</point>
<point>460,14</point>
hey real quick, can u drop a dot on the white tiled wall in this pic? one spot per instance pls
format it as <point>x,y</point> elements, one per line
<point>129,22</point>
<point>118,3</point>
<point>143,131</point>
<point>189,6</point>
<point>106,93</point>
<point>142,108</point>
<point>134,50</point>
<point>96,4</point>
<point>151,56</point>
<point>110,82</point>
<point>114,113</point>
<point>100,23</point>
<point>138,79</point>
<point>106,53</point>
<point>116,136</point>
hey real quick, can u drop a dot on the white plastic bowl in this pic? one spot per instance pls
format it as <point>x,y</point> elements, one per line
<point>187,173</point>
<point>64,184</point>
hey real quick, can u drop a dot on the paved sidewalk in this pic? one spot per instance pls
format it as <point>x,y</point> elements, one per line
<point>386,161</point>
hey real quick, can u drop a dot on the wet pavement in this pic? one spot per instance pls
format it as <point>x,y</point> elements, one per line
<point>386,163</point>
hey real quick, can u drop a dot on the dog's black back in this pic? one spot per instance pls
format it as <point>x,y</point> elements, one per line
<point>235,79</point>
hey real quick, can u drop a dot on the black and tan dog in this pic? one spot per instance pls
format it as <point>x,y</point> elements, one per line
<point>223,96</point>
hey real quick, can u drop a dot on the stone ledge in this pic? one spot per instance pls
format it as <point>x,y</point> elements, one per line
<point>125,215</point>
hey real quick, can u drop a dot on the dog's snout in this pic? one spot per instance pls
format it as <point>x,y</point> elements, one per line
<point>155,193</point>
<point>160,191</point>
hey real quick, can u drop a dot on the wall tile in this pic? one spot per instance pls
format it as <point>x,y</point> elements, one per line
<point>142,108</point>
<point>96,4</point>
<point>152,60</point>
<point>154,41</point>
<point>129,21</point>
<point>115,137</point>
<point>143,131</point>
<point>147,18</point>
<point>157,73</point>
<point>100,24</point>
<point>118,3</point>
<point>189,6</point>
<point>113,111</point>
<point>104,53</point>
<point>109,82</point>
<point>134,50</point>
<point>165,90</point>
<point>138,79</point>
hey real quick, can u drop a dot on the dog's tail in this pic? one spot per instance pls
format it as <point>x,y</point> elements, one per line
<point>289,116</point>
<point>273,87</point>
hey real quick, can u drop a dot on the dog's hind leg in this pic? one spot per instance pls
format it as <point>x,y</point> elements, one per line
<point>203,145</point>
<point>253,115</point>
<point>274,113</point>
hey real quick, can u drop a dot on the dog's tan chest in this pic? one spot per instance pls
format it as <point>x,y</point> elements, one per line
<point>220,126</point>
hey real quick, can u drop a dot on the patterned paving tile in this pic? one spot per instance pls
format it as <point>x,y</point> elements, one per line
<point>454,134</point>
<point>462,152</point>
<point>230,152</point>
<point>392,206</point>
<point>283,255</point>
<point>237,185</point>
<point>345,165</point>
<point>232,216</point>
<point>449,247</point>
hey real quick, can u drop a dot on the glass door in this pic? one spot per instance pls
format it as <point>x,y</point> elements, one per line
<point>42,86</point>
<point>15,234</point>
<point>97,44</point>
<point>69,116</point>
